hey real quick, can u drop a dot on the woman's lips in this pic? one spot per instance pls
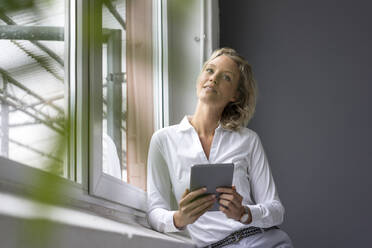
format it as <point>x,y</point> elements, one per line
<point>209,88</point>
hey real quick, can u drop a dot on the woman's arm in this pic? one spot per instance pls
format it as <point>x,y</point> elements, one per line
<point>268,210</point>
<point>159,193</point>
<point>159,196</point>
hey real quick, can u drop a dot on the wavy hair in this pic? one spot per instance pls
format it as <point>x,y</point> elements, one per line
<point>239,113</point>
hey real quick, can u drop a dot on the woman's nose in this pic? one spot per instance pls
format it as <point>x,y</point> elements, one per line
<point>213,78</point>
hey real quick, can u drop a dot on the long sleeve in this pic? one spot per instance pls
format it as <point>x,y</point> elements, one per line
<point>268,210</point>
<point>159,190</point>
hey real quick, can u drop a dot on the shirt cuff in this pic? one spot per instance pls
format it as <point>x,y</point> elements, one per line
<point>256,213</point>
<point>169,223</point>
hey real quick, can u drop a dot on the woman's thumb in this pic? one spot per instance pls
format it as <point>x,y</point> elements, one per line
<point>185,193</point>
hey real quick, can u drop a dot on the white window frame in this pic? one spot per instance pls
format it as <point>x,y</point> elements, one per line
<point>160,43</point>
<point>101,184</point>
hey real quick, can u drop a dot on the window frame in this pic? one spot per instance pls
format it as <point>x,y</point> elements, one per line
<point>101,184</point>
<point>160,64</point>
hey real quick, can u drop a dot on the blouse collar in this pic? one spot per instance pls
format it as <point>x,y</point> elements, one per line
<point>185,124</point>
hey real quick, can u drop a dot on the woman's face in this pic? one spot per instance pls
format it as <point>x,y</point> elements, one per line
<point>218,82</point>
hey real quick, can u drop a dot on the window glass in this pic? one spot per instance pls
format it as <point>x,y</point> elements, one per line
<point>33,85</point>
<point>114,89</point>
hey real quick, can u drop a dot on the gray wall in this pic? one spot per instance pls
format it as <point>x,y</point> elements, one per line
<point>312,61</point>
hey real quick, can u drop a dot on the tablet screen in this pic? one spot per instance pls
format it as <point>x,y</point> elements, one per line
<point>211,176</point>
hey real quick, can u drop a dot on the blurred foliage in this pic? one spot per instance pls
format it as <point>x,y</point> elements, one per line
<point>15,5</point>
<point>48,191</point>
<point>47,187</point>
<point>9,6</point>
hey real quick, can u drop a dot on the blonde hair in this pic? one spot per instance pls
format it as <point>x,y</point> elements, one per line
<point>239,113</point>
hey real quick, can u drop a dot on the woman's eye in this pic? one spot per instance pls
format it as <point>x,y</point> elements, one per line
<point>227,78</point>
<point>209,70</point>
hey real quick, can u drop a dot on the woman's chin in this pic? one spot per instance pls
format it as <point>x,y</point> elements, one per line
<point>208,97</point>
<point>210,100</point>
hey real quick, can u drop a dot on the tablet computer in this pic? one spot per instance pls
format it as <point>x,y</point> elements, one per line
<point>211,176</point>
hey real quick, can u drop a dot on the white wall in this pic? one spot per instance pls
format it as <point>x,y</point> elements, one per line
<point>184,18</point>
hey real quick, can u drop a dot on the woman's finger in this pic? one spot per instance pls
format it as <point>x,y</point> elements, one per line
<point>191,196</point>
<point>234,198</point>
<point>192,205</point>
<point>185,193</point>
<point>224,210</point>
<point>201,213</point>
<point>202,208</point>
<point>230,198</point>
<point>225,190</point>
<point>227,204</point>
<point>231,212</point>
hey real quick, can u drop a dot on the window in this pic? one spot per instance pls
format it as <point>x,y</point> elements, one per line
<point>34,86</point>
<point>98,63</point>
<point>114,89</point>
<point>124,42</point>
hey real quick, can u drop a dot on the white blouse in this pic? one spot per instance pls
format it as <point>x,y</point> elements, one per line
<point>175,149</point>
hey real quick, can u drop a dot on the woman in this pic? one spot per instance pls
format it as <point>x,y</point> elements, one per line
<point>216,133</point>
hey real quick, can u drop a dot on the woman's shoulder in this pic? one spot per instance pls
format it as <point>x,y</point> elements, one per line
<point>248,131</point>
<point>245,133</point>
<point>164,133</point>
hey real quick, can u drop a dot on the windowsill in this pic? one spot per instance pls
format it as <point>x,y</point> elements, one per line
<point>15,207</point>
<point>73,207</point>
<point>26,181</point>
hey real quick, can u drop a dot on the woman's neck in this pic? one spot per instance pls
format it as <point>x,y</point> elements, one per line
<point>206,119</point>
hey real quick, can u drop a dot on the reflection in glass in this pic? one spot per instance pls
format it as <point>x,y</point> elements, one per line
<point>114,89</point>
<point>32,85</point>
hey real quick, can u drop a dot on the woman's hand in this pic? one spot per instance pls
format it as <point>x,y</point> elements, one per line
<point>231,203</point>
<point>190,209</point>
